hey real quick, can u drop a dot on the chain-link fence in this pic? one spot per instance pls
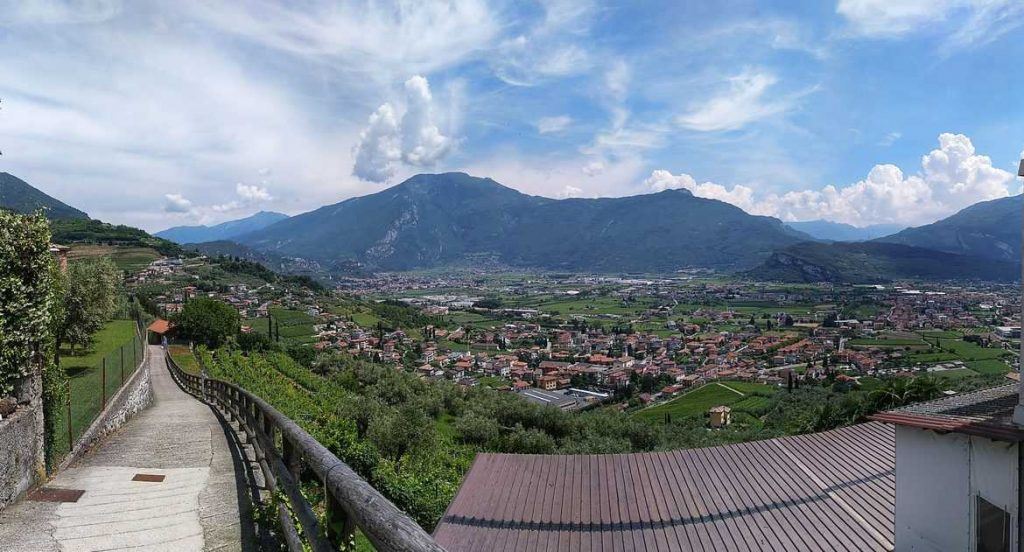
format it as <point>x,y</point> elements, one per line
<point>90,389</point>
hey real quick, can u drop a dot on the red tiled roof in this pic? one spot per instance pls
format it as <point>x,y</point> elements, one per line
<point>159,326</point>
<point>826,491</point>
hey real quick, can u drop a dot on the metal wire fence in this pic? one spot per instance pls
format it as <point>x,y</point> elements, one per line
<point>90,389</point>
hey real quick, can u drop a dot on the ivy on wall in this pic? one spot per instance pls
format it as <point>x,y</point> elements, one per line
<point>26,296</point>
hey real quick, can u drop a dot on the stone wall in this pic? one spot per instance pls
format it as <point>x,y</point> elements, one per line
<point>20,460</point>
<point>133,397</point>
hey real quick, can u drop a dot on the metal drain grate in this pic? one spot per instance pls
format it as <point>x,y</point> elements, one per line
<point>148,477</point>
<point>52,494</point>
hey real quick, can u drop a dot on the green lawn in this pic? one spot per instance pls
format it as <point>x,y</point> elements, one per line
<point>107,340</point>
<point>956,373</point>
<point>700,400</point>
<point>97,374</point>
<point>183,356</point>
<point>988,366</point>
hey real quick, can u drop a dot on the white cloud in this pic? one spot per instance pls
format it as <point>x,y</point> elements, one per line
<point>965,22</point>
<point>422,142</point>
<point>252,193</point>
<point>548,125</point>
<point>952,177</point>
<point>547,49</point>
<point>617,79</point>
<point>593,168</point>
<point>741,103</point>
<point>890,139</point>
<point>375,39</point>
<point>416,140</point>
<point>379,146</point>
<point>176,203</point>
<point>570,191</point>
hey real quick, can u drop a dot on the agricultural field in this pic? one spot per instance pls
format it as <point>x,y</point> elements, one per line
<point>131,259</point>
<point>295,326</point>
<point>698,401</point>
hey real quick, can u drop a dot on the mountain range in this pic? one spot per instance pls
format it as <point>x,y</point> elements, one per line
<point>982,242</point>
<point>990,229</point>
<point>837,231</point>
<point>18,196</point>
<point>222,231</point>
<point>453,219</point>
<point>447,219</point>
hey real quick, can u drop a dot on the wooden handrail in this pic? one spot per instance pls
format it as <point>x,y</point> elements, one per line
<point>351,502</point>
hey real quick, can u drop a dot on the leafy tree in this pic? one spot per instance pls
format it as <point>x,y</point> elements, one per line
<point>90,299</point>
<point>208,321</point>
<point>396,432</point>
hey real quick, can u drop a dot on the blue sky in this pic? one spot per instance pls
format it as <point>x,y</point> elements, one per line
<point>862,111</point>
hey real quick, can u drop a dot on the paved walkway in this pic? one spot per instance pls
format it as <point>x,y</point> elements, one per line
<point>201,504</point>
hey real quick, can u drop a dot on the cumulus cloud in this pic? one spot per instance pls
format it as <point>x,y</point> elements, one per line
<point>548,125</point>
<point>570,191</point>
<point>176,203</point>
<point>415,139</point>
<point>741,103</point>
<point>951,177</point>
<point>252,193</point>
<point>422,142</point>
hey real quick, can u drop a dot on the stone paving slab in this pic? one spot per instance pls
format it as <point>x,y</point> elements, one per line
<point>202,504</point>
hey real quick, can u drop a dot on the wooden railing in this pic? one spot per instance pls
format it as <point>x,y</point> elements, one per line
<point>284,452</point>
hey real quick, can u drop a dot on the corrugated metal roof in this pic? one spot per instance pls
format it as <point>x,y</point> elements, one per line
<point>826,491</point>
<point>988,412</point>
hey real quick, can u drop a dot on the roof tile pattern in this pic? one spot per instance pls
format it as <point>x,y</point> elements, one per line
<point>826,491</point>
<point>988,413</point>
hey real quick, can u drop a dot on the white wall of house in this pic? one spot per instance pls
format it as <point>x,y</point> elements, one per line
<point>938,477</point>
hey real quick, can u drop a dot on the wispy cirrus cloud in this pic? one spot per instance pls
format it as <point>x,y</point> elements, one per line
<point>963,23</point>
<point>744,99</point>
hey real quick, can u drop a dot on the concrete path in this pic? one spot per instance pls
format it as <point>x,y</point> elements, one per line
<point>202,503</point>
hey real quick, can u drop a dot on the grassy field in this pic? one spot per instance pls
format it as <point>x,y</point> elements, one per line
<point>184,357</point>
<point>887,342</point>
<point>700,400</point>
<point>98,373</point>
<point>131,259</point>
<point>955,373</point>
<point>107,340</point>
<point>988,366</point>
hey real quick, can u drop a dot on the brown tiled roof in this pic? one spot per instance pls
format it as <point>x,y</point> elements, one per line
<point>988,413</point>
<point>826,491</point>
<point>159,326</point>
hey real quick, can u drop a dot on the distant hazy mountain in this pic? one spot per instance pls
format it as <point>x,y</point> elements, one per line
<point>223,231</point>
<point>453,218</point>
<point>18,196</point>
<point>837,231</point>
<point>869,262</point>
<point>990,229</point>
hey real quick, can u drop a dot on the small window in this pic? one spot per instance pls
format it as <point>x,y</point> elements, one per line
<point>992,527</point>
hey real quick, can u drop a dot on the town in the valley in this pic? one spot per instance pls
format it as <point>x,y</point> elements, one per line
<point>640,343</point>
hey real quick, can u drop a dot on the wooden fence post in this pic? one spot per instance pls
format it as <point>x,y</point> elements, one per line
<point>103,384</point>
<point>122,362</point>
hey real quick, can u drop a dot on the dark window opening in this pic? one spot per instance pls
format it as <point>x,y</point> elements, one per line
<point>992,527</point>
